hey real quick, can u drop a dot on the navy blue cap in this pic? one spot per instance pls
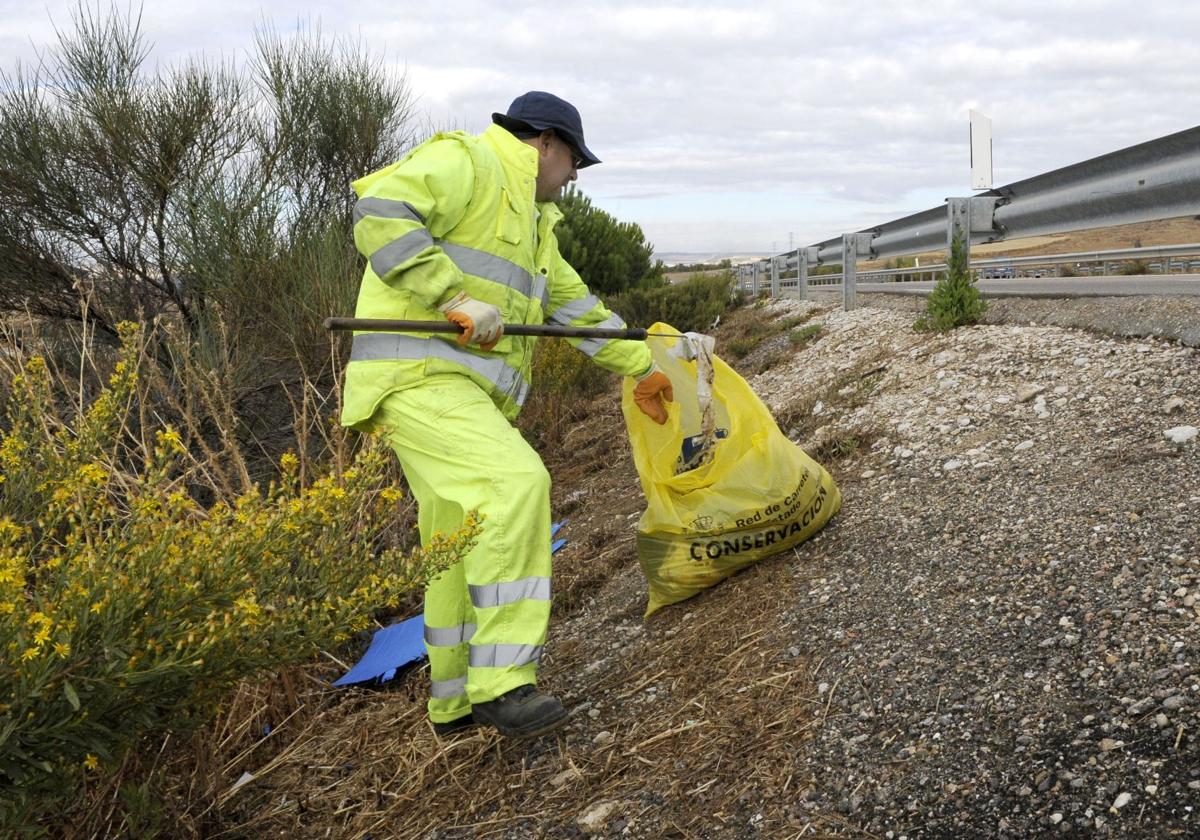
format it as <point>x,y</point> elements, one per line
<point>540,110</point>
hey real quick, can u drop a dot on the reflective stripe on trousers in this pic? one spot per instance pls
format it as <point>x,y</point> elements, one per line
<point>502,656</point>
<point>448,689</point>
<point>448,636</point>
<point>502,594</point>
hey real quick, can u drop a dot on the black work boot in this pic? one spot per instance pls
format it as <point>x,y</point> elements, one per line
<point>521,713</point>
<point>456,725</point>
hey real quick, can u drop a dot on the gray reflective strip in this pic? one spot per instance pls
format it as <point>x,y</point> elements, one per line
<point>385,208</point>
<point>489,267</point>
<point>448,636</point>
<point>368,347</point>
<point>399,251</point>
<point>448,689</point>
<point>592,346</point>
<point>502,594</point>
<point>573,309</point>
<point>522,393</point>
<point>502,656</point>
<point>469,260</point>
<point>541,290</point>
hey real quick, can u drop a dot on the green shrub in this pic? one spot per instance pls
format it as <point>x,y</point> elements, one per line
<point>955,299</point>
<point>793,321</point>
<point>692,306</point>
<point>740,348</point>
<point>564,380</point>
<point>611,256</point>
<point>215,199</point>
<point>805,335</point>
<point>127,610</point>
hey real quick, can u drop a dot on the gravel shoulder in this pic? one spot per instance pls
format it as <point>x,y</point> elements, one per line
<point>1005,619</point>
<point>1171,318</point>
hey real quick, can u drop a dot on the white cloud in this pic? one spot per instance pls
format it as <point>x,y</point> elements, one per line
<point>740,123</point>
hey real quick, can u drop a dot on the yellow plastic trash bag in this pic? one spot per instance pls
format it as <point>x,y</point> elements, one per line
<point>724,487</point>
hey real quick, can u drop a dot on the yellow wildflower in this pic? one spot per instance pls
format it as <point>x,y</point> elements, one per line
<point>391,495</point>
<point>248,605</point>
<point>92,473</point>
<point>30,653</point>
<point>62,649</point>
<point>169,439</point>
<point>91,762</point>
<point>11,451</point>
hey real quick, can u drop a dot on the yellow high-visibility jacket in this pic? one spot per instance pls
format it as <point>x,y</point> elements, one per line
<point>458,214</point>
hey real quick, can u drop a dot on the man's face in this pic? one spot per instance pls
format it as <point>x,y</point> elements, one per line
<point>557,163</point>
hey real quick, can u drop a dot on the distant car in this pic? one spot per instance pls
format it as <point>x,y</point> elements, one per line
<point>998,273</point>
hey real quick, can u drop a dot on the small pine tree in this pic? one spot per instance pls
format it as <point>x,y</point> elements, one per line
<point>611,256</point>
<point>955,300</point>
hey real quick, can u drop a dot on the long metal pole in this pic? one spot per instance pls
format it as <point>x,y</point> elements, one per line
<point>385,325</point>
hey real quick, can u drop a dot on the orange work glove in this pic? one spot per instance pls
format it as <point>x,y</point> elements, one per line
<point>652,392</point>
<point>480,321</point>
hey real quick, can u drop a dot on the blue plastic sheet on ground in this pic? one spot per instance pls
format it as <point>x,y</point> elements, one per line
<point>391,648</point>
<point>403,643</point>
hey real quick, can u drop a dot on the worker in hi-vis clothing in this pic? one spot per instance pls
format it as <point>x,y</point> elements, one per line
<point>463,229</point>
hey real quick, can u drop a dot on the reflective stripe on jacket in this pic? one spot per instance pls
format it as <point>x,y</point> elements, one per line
<point>458,213</point>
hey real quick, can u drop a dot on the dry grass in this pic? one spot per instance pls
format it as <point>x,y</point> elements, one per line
<point>713,753</point>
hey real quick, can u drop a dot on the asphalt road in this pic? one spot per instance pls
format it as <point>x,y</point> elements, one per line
<point>1048,287</point>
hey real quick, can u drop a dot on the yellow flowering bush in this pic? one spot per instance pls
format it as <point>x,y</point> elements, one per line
<point>128,609</point>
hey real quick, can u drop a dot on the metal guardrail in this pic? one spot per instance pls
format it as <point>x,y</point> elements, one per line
<point>1182,258</point>
<point>1159,179</point>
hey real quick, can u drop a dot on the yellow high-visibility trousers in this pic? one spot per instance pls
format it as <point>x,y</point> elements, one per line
<point>486,617</point>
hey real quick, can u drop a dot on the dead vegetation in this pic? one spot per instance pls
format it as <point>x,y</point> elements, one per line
<point>698,718</point>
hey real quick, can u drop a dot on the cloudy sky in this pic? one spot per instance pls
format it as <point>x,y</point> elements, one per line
<point>739,127</point>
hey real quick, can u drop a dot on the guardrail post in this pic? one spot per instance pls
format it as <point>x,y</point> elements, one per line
<point>754,281</point>
<point>802,272</point>
<point>852,245</point>
<point>774,277</point>
<point>849,265</point>
<point>958,224</point>
<point>967,216</point>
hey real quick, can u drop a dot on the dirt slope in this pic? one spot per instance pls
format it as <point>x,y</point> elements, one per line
<point>997,636</point>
